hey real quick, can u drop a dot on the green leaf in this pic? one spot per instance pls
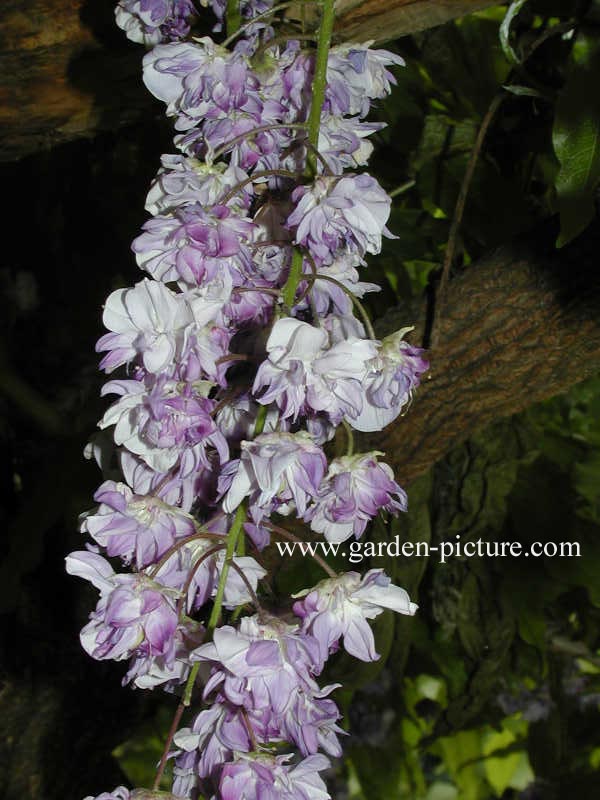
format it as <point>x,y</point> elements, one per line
<point>139,755</point>
<point>522,91</point>
<point>576,140</point>
<point>513,11</point>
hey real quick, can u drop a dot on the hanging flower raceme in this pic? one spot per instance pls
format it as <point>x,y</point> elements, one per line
<point>241,354</point>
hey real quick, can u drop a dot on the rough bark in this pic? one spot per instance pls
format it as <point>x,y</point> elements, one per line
<point>383,20</point>
<point>518,327</point>
<point>66,71</point>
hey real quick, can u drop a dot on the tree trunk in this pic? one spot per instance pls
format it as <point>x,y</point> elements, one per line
<point>518,327</point>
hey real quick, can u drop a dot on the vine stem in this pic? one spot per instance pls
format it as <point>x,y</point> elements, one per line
<point>293,538</point>
<point>291,285</point>
<point>319,85</point>
<point>404,187</point>
<point>200,534</point>
<point>273,126</point>
<point>263,173</point>
<point>349,438</point>
<point>233,17</point>
<point>170,736</point>
<point>362,310</point>
<point>459,211</point>
<point>232,539</point>
<point>266,15</point>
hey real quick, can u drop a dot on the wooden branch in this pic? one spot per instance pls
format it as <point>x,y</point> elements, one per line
<point>384,20</point>
<point>521,326</point>
<point>67,71</point>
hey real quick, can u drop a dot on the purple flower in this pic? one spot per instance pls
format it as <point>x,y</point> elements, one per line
<point>236,419</point>
<point>296,69</point>
<point>216,733</point>
<point>133,614</point>
<point>147,671</point>
<point>165,424</point>
<point>262,664</point>
<point>342,142</point>
<point>340,215</point>
<point>328,296</point>
<point>390,382</point>
<point>169,68</point>
<point>267,777</point>
<point>184,181</point>
<point>194,246</point>
<point>120,793</point>
<point>153,21</point>
<point>137,528</point>
<point>274,470</point>
<point>248,10</point>
<point>153,323</point>
<point>257,150</point>
<point>355,75</point>
<point>267,668</point>
<point>355,490</point>
<point>202,80</point>
<point>311,722</point>
<point>171,487</point>
<point>207,569</point>
<point>305,374</point>
<point>340,607</point>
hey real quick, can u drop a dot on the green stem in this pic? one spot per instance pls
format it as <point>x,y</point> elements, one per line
<point>319,83</point>
<point>263,173</point>
<point>233,17</point>
<point>404,187</point>
<point>349,438</point>
<point>261,418</point>
<point>254,132</point>
<point>265,14</point>
<point>189,686</point>
<point>318,88</point>
<point>291,285</point>
<point>232,540</point>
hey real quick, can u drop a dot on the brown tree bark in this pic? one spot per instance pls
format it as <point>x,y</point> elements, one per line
<point>67,71</point>
<point>518,327</point>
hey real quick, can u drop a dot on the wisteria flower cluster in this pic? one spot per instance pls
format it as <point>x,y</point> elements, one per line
<point>240,356</point>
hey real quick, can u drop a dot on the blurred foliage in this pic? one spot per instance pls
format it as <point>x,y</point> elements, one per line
<point>492,690</point>
<point>540,157</point>
<point>498,696</point>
